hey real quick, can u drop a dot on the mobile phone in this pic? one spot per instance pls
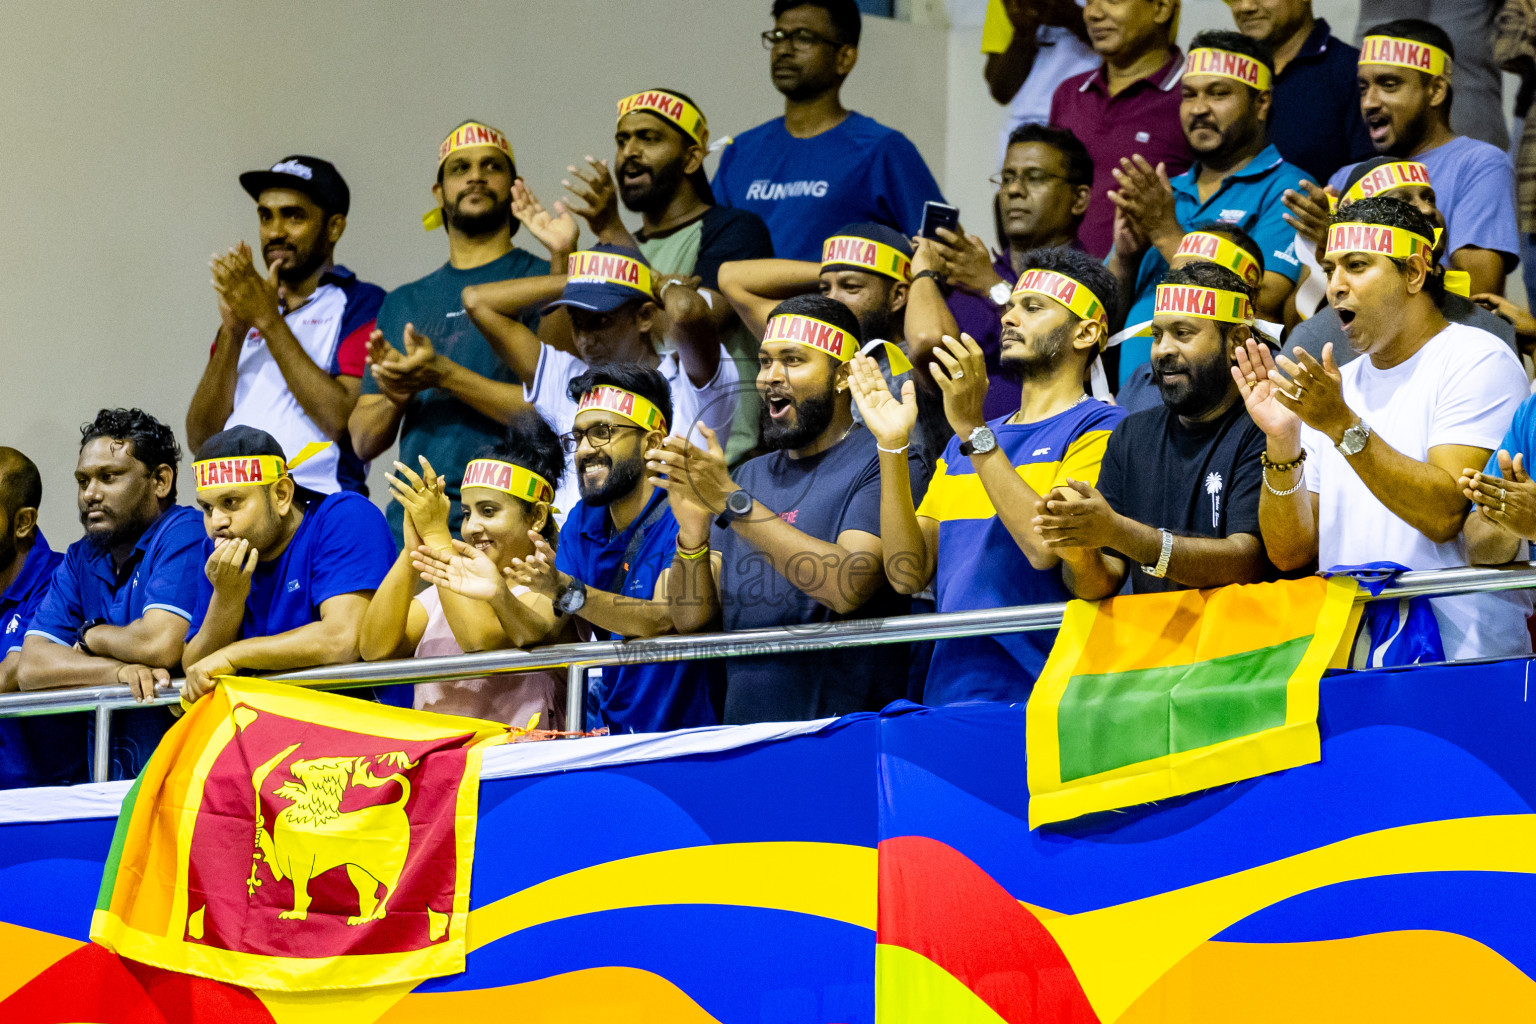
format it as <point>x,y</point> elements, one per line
<point>939,215</point>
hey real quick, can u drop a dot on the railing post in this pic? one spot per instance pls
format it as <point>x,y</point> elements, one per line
<point>101,755</point>
<point>575,698</point>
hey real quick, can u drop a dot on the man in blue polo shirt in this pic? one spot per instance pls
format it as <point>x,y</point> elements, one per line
<point>616,549</point>
<point>284,586</point>
<point>290,352</point>
<point>821,165</point>
<point>118,606</point>
<point>1238,179</point>
<point>26,567</point>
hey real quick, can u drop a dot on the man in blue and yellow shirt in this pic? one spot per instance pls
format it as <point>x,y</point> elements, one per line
<point>972,536</point>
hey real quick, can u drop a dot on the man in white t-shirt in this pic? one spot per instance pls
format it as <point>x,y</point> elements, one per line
<point>618,313</point>
<point>1032,48</point>
<point>1361,464</point>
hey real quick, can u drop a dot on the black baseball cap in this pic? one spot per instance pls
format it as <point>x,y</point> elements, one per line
<point>310,175</point>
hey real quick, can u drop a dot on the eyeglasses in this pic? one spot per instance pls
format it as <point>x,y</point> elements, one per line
<point>1029,179</point>
<point>799,39</point>
<point>598,433</point>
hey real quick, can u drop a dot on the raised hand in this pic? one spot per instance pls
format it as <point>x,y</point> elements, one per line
<point>696,480</point>
<point>1315,391</point>
<point>968,261</point>
<point>414,372</point>
<point>537,572</point>
<point>890,419</point>
<point>1146,196</point>
<point>229,568</point>
<point>467,572</point>
<point>1253,372</point>
<point>1309,212</point>
<point>557,230</point>
<point>425,501</point>
<point>251,298</point>
<point>1507,501</point>
<point>384,366</point>
<point>594,197</point>
<point>960,370</point>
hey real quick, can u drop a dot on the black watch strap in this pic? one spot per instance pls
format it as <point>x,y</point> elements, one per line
<point>937,276</point>
<point>86,627</point>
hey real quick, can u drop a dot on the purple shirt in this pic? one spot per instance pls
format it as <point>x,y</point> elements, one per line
<point>983,321</point>
<point>1142,118</point>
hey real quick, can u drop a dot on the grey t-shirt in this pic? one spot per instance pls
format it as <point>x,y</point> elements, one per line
<point>1316,331</point>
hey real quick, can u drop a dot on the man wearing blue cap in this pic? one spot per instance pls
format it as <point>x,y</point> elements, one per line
<point>619,313</point>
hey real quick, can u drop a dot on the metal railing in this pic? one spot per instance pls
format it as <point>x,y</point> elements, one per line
<point>577,658</point>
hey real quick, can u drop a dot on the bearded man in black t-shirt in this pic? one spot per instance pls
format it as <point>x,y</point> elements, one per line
<point>1177,504</point>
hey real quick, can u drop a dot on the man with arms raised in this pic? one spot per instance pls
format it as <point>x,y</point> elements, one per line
<point>1362,464</point>
<point>290,352</point>
<point>977,545</point>
<point>433,381</point>
<point>118,607</point>
<point>1176,505</point>
<point>284,586</point>
<point>795,538</point>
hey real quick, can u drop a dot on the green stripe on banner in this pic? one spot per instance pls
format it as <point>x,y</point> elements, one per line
<point>1115,719</point>
<point>115,852</point>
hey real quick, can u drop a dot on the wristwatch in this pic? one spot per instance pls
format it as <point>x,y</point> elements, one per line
<point>572,599</point>
<point>981,441</point>
<point>1161,568</point>
<point>86,627</point>
<point>1354,439</point>
<point>737,505</point>
<point>937,276</point>
<point>1000,293</point>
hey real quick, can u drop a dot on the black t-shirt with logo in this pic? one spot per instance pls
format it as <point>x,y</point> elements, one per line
<point>823,495</point>
<point>1196,480</point>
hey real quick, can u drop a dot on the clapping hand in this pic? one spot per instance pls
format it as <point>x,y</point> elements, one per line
<point>558,230</point>
<point>1146,196</point>
<point>595,199</point>
<point>537,572</point>
<point>890,419</point>
<point>1076,516</point>
<point>467,572</point>
<point>250,298</point>
<point>959,369</point>
<point>425,500</point>
<point>696,480</point>
<point>1507,501</point>
<point>1255,373</point>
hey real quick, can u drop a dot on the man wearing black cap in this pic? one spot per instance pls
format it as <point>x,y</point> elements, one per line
<point>291,347</point>
<point>284,585</point>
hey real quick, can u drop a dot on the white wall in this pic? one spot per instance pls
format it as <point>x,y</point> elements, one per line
<point>126,125</point>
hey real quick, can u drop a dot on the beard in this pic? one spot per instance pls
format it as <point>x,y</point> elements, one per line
<point>621,479</point>
<point>1202,390</point>
<point>477,225</point>
<point>655,194</point>
<point>876,323</point>
<point>122,532</point>
<point>812,416</point>
<point>8,548</point>
<point>302,265</point>
<point>1038,359</point>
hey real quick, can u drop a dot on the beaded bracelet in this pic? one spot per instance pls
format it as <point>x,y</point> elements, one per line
<point>1282,467</point>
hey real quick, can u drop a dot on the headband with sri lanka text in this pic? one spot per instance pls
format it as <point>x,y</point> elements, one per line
<point>1379,239</point>
<point>638,409</point>
<point>1222,252</point>
<point>672,108</point>
<point>1206,303</point>
<point>509,478</point>
<point>250,470</point>
<point>1226,64</point>
<point>833,341</point>
<point>1405,53</point>
<point>1070,292</point>
<point>470,133</point>
<point>1398,174</point>
<point>590,267</point>
<point>875,257</point>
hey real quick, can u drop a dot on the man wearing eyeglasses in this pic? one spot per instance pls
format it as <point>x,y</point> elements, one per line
<point>821,165</point>
<point>615,553</point>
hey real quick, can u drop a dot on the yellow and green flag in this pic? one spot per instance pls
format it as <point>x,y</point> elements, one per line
<point>1152,696</point>
<point>289,840</point>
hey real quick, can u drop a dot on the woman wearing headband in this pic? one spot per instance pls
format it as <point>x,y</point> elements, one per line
<point>469,606</point>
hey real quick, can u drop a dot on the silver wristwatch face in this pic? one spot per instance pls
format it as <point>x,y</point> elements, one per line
<point>1000,293</point>
<point>574,598</point>
<point>1354,439</point>
<point>739,503</point>
<point>982,440</point>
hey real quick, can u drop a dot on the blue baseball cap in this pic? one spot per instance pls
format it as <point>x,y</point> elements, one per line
<point>605,277</point>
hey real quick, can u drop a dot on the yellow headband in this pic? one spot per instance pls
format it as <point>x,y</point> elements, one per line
<point>834,341</point>
<point>1380,239</point>
<point>1223,253</point>
<point>638,409</point>
<point>1399,174</point>
<point>1071,293</point>
<point>508,478</point>
<point>674,109</point>
<point>1458,282</point>
<point>875,257</point>
<point>588,267</point>
<point>249,470</point>
<point>1206,303</point>
<point>1226,64</point>
<point>471,133</point>
<point>1405,53</point>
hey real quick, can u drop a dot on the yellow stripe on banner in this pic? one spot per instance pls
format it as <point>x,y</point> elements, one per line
<point>911,989</point>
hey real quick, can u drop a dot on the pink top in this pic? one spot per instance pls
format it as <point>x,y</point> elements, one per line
<point>508,699</point>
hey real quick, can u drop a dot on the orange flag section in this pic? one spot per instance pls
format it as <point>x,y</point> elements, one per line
<point>1152,696</point>
<point>288,840</point>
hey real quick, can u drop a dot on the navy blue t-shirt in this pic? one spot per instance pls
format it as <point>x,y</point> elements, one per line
<point>1315,119</point>
<point>39,750</point>
<point>805,189</point>
<point>657,697</point>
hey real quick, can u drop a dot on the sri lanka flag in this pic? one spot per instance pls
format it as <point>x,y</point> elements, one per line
<point>1152,696</point>
<point>289,840</point>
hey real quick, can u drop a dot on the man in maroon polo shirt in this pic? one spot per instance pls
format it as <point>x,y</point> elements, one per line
<point>1129,105</point>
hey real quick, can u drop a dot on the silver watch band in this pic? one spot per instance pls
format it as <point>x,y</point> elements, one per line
<point>1161,569</point>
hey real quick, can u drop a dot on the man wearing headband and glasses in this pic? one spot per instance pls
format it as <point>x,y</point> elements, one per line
<point>1362,464</point>
<point>1177,503</point>
<point>972,536</point>
<point>433,381</point>
<point>794,539</point>
<point>821,165</point>
<point>620,312</point>
<point>1238,178</point>
<point>1406,87</point>
<point>285,585</point>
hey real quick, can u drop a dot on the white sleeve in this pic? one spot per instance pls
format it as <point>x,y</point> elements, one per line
<point>716,401</point>
<point>1483,388</point>
<point>1314,444</point>
<point>547,391</point>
